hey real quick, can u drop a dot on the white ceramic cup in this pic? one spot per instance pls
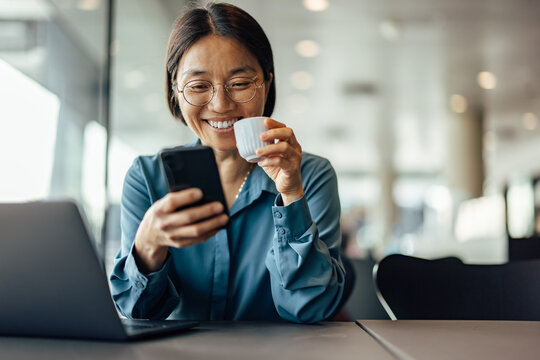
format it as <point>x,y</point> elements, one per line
<point>247,132</point>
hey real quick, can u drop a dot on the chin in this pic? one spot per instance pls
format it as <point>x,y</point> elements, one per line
<point>223,145</point>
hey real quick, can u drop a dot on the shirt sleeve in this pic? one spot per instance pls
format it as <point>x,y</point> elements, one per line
<point>307,276</point>
<point>138,295</point>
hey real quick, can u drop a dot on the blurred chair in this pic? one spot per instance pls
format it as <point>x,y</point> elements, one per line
<point>359,299</point>
<point>414,288</point>
<point>524,248</point>
<point>363,302</point>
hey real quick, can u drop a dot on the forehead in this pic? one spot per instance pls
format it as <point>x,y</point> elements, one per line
<point>216,56</point>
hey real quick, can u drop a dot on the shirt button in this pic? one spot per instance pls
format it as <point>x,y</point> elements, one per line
<point>278,215</point>
<point>282,231</point>
<point>139,284</point>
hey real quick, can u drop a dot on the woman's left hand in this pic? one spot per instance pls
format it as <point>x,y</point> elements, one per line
<point>282,160</point>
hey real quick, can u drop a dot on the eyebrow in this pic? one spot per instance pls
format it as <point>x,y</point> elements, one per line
<point>238,70</point>
<point>242,69</point>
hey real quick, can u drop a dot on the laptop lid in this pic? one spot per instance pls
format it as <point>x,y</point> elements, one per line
<point>51,280</point>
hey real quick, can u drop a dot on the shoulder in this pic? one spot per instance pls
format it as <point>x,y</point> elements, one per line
<point>320,184</point>
<point>144,166</point>
<point>312,164</point>
<point>145,178</point>
<point>316,171</point>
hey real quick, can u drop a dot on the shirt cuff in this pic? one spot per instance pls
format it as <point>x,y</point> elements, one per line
<point>141,281</point>
<point>293,220</point>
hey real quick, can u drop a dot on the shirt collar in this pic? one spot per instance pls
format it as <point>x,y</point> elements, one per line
<point>259,181</point>
<point>256,184</point>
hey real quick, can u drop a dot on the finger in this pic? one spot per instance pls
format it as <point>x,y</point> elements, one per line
<point>283,134</point>
<point>199,230</point>
<point>287,135</point>
<point>281,149</point>
<point>189,242</point>
<point>271,123</point>
<point>279,162</point>
<point>191,215</point>
<point>172,201</point>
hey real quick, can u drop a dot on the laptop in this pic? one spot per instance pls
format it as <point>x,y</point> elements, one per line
<point>52,283</point>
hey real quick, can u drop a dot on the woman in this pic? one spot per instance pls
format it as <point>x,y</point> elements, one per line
<point>278,256</point>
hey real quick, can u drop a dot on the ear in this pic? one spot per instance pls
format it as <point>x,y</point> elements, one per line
<point>268,83</point>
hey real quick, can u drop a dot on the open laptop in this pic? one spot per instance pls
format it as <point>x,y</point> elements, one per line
<point>52,283</point>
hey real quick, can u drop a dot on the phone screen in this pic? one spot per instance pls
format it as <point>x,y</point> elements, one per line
<point>193,166</point>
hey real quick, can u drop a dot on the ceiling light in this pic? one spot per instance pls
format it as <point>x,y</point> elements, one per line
<point>316,5</point>
<point>486,80</point>
<point>307,48</point>
<point>458,103</point>
<point>88,5</point>
<point>301,80</point>
<point>389,30</point>
<point>530,122</point>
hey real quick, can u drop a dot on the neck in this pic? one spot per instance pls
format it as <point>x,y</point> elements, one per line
<point>232,166</point>
<point>233,171</point>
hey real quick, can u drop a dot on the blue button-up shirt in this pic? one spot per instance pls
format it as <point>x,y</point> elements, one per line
<point>271,262</point>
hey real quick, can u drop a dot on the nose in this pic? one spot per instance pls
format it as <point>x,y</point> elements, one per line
<point>220,102</point>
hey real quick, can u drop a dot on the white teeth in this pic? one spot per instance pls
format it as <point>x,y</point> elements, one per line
<point>221,124</point>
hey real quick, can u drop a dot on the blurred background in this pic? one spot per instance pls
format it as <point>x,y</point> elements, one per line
<point>428,110</point>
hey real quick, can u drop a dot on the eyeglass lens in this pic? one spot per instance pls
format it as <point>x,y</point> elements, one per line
<point>201,92</point>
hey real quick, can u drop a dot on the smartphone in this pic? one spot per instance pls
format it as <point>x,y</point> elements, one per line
<point>193,166</point>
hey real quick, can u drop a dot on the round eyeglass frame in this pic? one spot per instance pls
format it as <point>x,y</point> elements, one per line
<point>253,81</point>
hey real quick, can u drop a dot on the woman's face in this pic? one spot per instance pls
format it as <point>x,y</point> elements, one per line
<point>218,59</point>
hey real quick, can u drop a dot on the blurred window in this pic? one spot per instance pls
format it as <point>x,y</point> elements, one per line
<point>28,123</point>
<point>520,207</point>
<point>52,133</point>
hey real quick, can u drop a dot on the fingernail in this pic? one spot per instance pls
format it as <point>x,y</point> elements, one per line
<point>196,194</point>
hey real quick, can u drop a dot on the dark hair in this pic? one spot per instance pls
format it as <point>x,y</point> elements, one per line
<point>224,20</point>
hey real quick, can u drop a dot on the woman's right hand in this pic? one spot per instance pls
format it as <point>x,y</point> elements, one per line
<point>164,226</point>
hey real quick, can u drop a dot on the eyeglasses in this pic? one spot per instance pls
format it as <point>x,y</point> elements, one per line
<point>238,89</point>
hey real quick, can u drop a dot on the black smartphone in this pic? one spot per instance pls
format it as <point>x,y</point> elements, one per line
<point>193,166</point>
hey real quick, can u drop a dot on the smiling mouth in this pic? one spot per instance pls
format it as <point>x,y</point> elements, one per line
<point>222,124</point>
